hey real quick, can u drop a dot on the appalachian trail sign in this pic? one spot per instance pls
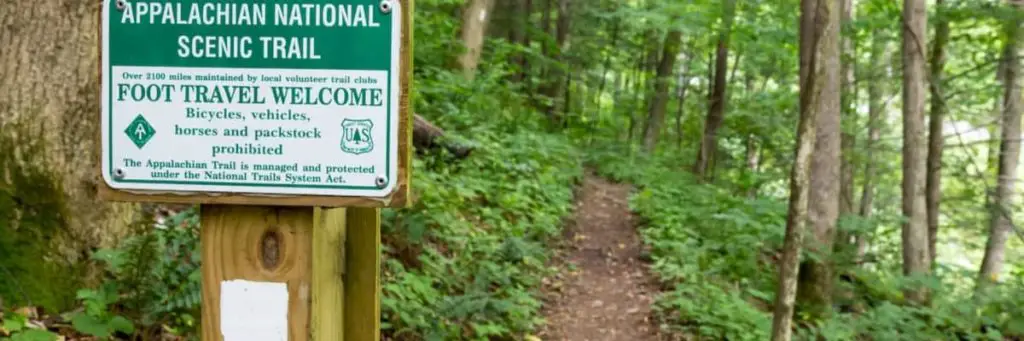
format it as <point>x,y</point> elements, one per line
<point>289,122</point>
<point>221,99</point>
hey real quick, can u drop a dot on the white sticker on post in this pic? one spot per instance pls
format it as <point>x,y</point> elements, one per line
<point>253,311</point>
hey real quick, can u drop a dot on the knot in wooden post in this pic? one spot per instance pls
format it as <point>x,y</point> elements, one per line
<point>270,249</point>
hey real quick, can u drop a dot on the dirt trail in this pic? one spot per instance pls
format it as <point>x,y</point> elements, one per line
<point>604,292</point>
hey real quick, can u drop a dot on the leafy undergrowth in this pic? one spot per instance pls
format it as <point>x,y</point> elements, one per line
<point>715,252</point>
<point>464,263</point>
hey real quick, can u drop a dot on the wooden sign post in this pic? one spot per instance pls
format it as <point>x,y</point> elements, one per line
<point>289,122</point>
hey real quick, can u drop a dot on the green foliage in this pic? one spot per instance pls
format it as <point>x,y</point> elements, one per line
<point>153,282</point>
<point>710,312</point>
<point>466,260</point>
<point>97,319</point>
<point>712,248</point>
<point>715,251</point>
<point>16,326</point>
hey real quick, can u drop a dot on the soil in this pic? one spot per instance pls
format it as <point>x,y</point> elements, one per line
<point>604,291</point>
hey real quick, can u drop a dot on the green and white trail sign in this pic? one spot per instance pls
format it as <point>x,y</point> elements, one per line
<point>289,97</point>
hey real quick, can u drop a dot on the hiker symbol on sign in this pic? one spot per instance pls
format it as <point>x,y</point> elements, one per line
<point>356,136</point>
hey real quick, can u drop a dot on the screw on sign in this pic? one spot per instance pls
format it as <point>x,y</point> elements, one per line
<point>289,122</point>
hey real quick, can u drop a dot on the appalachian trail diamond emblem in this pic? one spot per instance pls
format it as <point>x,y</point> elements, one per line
<point>140,131</point>
<point>356,136</point>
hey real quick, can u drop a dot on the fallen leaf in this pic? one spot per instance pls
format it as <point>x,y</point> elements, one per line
<point>29,312</point>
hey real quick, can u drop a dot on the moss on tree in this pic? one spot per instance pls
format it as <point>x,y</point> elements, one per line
<point>33,217</point>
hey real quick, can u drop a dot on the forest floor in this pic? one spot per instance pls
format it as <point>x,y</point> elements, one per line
<point>604,291</point>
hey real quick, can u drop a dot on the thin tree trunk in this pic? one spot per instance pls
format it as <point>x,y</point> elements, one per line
<point>819,48</point>
<point>608,58</point>
<point>875,110</point>
<point>915,228</point>
<point>716,100</point>
<point>753,163</point>
<point>638,87</point>
<point>684,85</point>
<point>545,24</point>
<point>656,115</point>
<point>849,112</point>
<point>556,111</point>
<point>1009,157</point>
<point>814,292</point>
<point>474,28</point>
<point>995,128</point>
<point>526,9</point>
<point>567,99</point>
<point>736,65</point>
<point>937,115</point>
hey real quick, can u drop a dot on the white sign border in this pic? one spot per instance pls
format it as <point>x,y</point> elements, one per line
<point>163,187</point>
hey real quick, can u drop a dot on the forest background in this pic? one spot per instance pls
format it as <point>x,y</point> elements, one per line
<point>887,132</point>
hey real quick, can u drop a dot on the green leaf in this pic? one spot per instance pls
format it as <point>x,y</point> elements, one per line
<point>14,323</point>
<point>90,325</point>
<point>121,324</point>
<point>35,335</point>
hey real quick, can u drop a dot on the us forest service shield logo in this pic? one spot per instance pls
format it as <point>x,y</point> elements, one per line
<point>356,137</point>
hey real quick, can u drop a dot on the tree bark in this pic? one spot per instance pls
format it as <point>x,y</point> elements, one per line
<point>606,65</point>
<point>753,162</point>
<point>875,110</point>
<point>638,87</point>
<point>48,70</point>
<point>849,112</point>
<point>475,17</point>
<point>1009,156</point>
<point>819,48</point>
<point>716,99</point>
<point>684,85</point>
<point>916,259</point>
<point>656,113</point>
<point>545,24</point>
<point>814,292</point>
<point>555,78</point>
<point>426,136</point>
<point>933,185</point>
<point>526,12</point>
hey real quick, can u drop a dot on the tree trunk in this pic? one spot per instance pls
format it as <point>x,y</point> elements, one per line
<point>933,186</point>
<point>849,112</point>
<point>638,87</point>
<point>656,114</point>
<point>475,17</point>
<point>684,85</point>
<point>608,60</point>
<point>49,124</point>
<point>716,99</point>
<point>915,228</point>
<point>526,11</point>
<point>819,50</point>
<point>555,79</point>
<point>426,136</point>
<point>875,110</point>
<point>753,163</point>
<point>1009,156</point>
<point>814,292</point>
<point>545,24</point>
